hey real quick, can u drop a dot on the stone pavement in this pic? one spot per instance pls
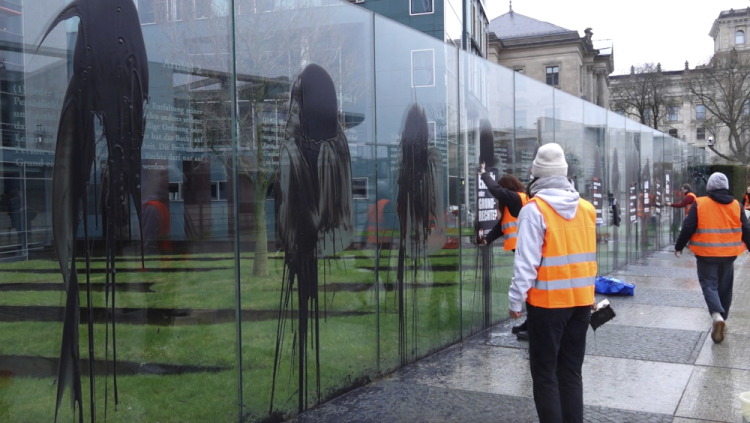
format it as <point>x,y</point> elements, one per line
<point>655,362</point>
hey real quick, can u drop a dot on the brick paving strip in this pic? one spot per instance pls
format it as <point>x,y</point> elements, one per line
<point>654,363</point>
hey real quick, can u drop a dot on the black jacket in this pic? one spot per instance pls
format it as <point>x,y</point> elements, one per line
<point>506,198</point>
<point>690,224</point>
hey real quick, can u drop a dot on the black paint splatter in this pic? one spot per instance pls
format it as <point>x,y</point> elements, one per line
<point>109,83</point>
<point>486,144</point>
<point>313,201</point>
<point>421,214</point>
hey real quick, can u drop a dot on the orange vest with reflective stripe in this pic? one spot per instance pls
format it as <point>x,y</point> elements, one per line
<point>690,206</point>
<point>719,232</point>
<point>747,202</point>
<point>567,273</point>
<point>510,225</point>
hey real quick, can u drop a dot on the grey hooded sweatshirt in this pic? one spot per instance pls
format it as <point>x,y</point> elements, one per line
<point>563,198</point>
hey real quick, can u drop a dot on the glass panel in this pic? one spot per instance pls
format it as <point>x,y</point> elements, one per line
<point>658,214</point>
<point>419,150</point>
<point>534,122</point>
<point>487,113</point>
<point>619,202</point>
<point>632,173</point>
<point>647,237</point>
<point>595,140</point>
<point>310,207</point>
<point>165,322</point>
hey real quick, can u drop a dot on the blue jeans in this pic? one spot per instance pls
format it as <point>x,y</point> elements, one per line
<point>716,278</point>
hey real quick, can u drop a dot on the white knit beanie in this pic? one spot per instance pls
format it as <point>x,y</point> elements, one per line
<point>717,180</point>
<point>549,161</point>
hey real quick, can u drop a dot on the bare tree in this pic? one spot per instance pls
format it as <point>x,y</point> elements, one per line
<point>643,95</point>
<point>723,87</point>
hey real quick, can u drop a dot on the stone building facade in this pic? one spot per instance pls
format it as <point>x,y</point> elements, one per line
<point>551,54</point>
<point>685,116</point>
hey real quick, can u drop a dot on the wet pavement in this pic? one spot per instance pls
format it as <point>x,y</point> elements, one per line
<point>655,362</point>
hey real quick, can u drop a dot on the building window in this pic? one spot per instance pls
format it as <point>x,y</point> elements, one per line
<point>420,7</point>
<point>739,37</point>
<point>218,191</point>
<point>672,113</point>
<point>175,191</point>
<point>700,112</point>
<point>746,108</point>
<point>146,11</point>
<point>168,10</point>
<point>202,9</point>
<point>647,115</point>
<point>553,75</point>
<point>673,133</point>
<point>359,188</point>
<point>423,68</point>
<point>701,134</point>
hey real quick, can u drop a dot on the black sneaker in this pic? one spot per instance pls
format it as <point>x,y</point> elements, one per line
<point>522,336</point>
<point>523,327</point>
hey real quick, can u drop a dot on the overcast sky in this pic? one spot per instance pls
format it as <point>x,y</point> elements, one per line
<point>642,31</point>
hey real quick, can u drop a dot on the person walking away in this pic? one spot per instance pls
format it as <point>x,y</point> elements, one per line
<point>687,200</point>
<point>554,272</point>
<point>746,203</point>
<point>716,228</point>
<point>511,196</point>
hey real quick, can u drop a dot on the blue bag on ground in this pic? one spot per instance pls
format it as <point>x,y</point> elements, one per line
<point>612,286</point>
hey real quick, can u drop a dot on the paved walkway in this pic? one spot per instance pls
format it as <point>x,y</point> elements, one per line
<point>653,363</point>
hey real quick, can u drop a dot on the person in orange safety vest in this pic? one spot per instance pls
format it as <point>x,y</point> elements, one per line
<point>687,201</point>
<point>554,272</point>
<point>511,197</point>
<point>716,228</point>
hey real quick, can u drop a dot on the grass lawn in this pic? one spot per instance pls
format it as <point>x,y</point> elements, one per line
<point>192,344</point>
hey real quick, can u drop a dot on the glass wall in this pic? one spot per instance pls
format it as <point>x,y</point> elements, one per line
<point>290,213</point>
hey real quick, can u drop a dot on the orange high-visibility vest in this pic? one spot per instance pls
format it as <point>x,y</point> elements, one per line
<point>510,225</point>
<point>567,273</point>
<point>690,206</point>
<point>719,232</point>
<point>747,202</point>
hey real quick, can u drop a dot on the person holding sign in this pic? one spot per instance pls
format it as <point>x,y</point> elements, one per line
<point>511,197</point>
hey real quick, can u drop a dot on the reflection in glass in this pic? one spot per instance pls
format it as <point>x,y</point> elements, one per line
<point>421,6</point>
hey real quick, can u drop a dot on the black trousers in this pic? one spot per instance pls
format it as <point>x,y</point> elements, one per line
<point>716,277</point>
<point>557,345</point>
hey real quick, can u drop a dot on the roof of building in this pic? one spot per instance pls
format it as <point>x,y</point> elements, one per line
<point>731,13</point>
<point>516,25</point>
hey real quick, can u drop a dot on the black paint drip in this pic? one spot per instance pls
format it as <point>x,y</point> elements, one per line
<point>486,144</point>
<point>109,83</point>
<point>421,214</point>
<point>313,202</point>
